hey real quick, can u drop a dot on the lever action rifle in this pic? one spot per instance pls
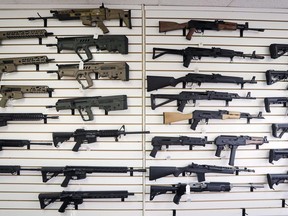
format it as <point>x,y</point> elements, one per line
<point>277,154</point>
<point>200,26</point>
<point>158,141</point>
<point>275,100</point>
<point>196,53</point>
<point>156,172</point>
<point>276,179</point>
<point>8,65</point>
<point>233,142</point>
<point>180,189</point>
<point>158,82</point>
<point>111,43</point>
<point>273,76</point>
<point>283,128</point>
<point>115,70</point>
<point>35,33</point>
<point>77,197</point>
<point>17,92</point>
<point>277,50</point>
<point>90,17</point>
<point>69,172</point>
<point>82,136</point>
<point>185,96</point>
<point>5,117</point>
<point>18,143</point>
<point>196,116</point>
<point>84,105</point>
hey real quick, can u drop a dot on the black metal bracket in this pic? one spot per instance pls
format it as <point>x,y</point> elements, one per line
<point>284,204</point>
<point>174,212</point>
<point>244,212</point>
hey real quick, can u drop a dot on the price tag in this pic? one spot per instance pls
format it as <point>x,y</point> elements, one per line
<point>81,65</point>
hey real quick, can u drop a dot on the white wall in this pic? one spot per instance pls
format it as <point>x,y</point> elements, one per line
<point>19,193</point>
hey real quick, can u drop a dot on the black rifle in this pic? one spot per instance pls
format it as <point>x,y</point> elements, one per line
<point>277,50</point>
<point>70,172</point>
<point>233,142</point>
<point>158,82</point>
<point>158,141</point>
<point>199,26</point>
<point>84,105</point>
<point>279,127</point>
<point>277,154</point>
<point>276,179</point>
<point>77,197</point>
<point>5,117</point>
<point>18,143</point>
<point>275,100</point>
<point>82,136</point>
<point>156,172</point>
<point>196,116</point>
<point>196,53</point>
<point>180,189</point>
<point>185,96</point>
<point>273,76</point>
<point>111,43</point>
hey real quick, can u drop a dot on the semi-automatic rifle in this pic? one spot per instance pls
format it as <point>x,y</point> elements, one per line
<point>111,43</point>
<point>199,26</point>
<point>158,82</point>
<point>90,17</point>
<point>84,105</point>
<point>283,128</point>
<point>196,53</point>
<point>156,172</point>
<point>180,189</point>
<point>17,92</point>
<point>277,154</point>
<point>21,34</point>
<point>5,117</point>
<point>77,197</point>
<point>8,65</point>
<point>115,71</point>
<point>82,136</point>
<point>185,96</point>
<point>196,116</point>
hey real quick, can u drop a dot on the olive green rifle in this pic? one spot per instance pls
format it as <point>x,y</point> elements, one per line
<point>90,17</point>
<point>34,33</point>
<point>17,92</point>
<point>114,70</point>
<point>8,65</point>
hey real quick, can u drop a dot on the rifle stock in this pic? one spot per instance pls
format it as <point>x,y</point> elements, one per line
<point>169,117</point>
<point>165,26</point>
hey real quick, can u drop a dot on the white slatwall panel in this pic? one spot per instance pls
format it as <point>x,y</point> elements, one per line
<point>19,193</point>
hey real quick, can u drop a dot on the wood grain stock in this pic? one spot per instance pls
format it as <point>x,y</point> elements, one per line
<point>171,26</point>
<point>169,117</point>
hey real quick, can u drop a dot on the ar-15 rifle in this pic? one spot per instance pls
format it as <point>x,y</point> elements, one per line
<point>200,26</point>
<point>17,92</point>
<point>183,97</point>
<point>233,142</point>
<point>279,127</point>
<point>8,65</point>
<point>158,82</point>
<point>77,197</point>
<point>276,179</point>
<point>35,33</point>
<point>84,105</point>
<point>275,100</point>
<point>273,76</point>
<point>5,117</point>
<point>70,172</point>
<point>196,116</point>
<point>277,154</point>
<point>180,189</point>
<point>116,70</point>
<point>82,136</point>
<point>158,141</point>
<point>18,143</point>
<point>90,17</point>
<point>156,172</point>
<point>277,50</point>
<point>111,43</point>
<point>196,53</point>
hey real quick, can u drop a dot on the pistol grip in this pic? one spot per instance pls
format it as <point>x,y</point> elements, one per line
<point>219,150</point>
<point>66,181</point>
<point>181,106</point>
<point>77,146</point>
<point>3,101</point>
<point>102,26</point>
<point>154,151</point>
<point>194,123</point>
<point>89,113</point>
<point>267,105</point>
<point>64,206</point>
<point>87,78</point>
<point>190,33</point>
